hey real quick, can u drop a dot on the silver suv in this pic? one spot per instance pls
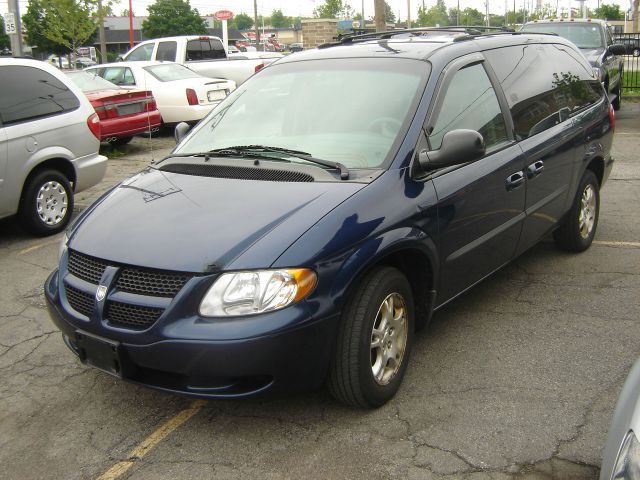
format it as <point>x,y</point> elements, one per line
<point>49,140</point>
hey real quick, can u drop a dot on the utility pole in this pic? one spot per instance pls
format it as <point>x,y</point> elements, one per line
<point>101,32</point>
<point>381,24</point>
<point>14,29</point>
<point>408,14</point>
<point>255,24</point>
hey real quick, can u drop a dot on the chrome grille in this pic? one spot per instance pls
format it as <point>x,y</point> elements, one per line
<point>80,301</point>
<point>131,316</point>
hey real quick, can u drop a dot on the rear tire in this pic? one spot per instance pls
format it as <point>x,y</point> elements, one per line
<point>636,52</point>
<point>579,228</point>
<point>46,204</point>
<point>374,340</point>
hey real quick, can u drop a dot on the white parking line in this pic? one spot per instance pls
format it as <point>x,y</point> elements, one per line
<point>38,246</point>
<point>152,440</point>
<point>617,244</point>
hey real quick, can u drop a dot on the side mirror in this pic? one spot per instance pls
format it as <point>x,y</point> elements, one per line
<point>618,49</point>
<point>119,58</point>
<point>181,131</point>
<point>458,147</point>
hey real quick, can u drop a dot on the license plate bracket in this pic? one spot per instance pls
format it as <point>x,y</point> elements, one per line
<point>100,353</point>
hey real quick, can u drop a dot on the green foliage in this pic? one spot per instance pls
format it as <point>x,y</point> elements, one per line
<point>467,17</point>
<point>333,9</point>
<point>35,23</point>
<point>609,12</point>
<point>389,16</point>
<point>242,21</point>
<point>70,22</point>
<point>172,17</point>
<point>436,15</point>
<point>278,20</point>
<point>5,41</point>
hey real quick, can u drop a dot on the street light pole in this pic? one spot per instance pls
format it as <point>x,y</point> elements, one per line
<point>16,37</point>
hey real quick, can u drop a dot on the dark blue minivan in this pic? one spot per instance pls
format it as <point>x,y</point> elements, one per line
<point>314,221</point>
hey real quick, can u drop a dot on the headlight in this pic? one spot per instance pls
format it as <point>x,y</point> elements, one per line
<point>628,462</point>
<point>63,246</point>
<point>247,293</point>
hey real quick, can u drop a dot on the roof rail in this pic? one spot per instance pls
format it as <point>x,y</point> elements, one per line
<point>421,31</point>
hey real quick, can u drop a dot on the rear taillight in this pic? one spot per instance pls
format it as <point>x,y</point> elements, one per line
<point>612,117</point>
<point>107,111</point>
<point>192,98</point>
<point>258,67</point>
<point>150,105</point>
<point>94,125</point>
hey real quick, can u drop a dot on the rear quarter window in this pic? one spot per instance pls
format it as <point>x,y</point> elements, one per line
<point>545,84</point>
<point>29,93</point>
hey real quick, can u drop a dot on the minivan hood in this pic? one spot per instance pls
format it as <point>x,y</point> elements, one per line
<point>191,223</point>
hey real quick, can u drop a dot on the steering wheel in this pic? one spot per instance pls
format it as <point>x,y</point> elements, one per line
<point>385,126</point>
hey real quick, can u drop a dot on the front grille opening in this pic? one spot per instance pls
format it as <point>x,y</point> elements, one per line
<point>80,301</point>
<point>152,283</point>
<point>131,316</point>
<point>238,173</point>
<point>85,267</point>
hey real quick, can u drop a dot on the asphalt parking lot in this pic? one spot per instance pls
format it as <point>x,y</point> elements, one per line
<point>515,380</point>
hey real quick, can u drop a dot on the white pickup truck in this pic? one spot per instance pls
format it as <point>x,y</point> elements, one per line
<point>203,54</point>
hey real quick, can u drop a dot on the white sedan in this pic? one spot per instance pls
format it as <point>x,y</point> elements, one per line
<point>181,94</point>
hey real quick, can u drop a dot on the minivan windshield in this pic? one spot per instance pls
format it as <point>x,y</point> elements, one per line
<point>584,35</point>
<point>350,111</point>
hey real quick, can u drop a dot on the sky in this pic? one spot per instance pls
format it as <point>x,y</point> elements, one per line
<point>305,7</point>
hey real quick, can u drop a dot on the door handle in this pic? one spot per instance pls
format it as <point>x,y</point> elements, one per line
<point>514,181</point>
<point>535,169</point>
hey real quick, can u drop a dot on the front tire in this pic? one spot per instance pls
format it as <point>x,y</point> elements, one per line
<point>46,204</point>
<point>579,228</point>
<point>374,340</point>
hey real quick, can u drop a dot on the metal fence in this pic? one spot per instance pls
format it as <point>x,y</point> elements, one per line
<point>631,79</point>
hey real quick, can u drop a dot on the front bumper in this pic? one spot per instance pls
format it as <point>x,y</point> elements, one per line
<point>190,356</point>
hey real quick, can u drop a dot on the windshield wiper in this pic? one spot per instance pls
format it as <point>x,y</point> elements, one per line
<point>251,149</point>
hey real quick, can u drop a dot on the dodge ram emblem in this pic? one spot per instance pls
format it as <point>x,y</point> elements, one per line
<point>101,293</point>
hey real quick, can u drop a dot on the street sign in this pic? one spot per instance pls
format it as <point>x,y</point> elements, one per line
<point>223,15</point>
<point>10,23</point>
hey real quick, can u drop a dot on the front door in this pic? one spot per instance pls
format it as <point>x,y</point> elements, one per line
<point>481,204</point>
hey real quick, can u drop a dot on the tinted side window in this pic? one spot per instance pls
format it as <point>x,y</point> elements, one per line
<point>470,102</point>
<point>29,93</point>
<point>204,49</point>
<point>167,51</point>
<point>217,50</point>
<point>141,53</point>
<point>544,85</point>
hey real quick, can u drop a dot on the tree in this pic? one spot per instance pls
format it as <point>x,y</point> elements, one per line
<point>70,23</point>
<point>5,41</point>
<point>333,9</point>
<point>35,23</point>
<point>389,16</point>
<point>242,21</point>
<point>172,17</point>
<point>436,15</point>
<point>278,20</point>
<point>609,12</point>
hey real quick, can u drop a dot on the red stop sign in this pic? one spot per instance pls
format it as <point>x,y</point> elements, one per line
<point>223,15</point>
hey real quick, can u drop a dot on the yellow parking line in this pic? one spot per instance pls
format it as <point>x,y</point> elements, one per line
<point>617,244</point>
<point>152,440</point>
<point>40,245</point>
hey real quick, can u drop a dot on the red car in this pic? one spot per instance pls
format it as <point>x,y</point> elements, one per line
<point>122,112</point>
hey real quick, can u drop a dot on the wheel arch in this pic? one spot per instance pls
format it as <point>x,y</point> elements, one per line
<point>596,165</point>
<point>409,250</point>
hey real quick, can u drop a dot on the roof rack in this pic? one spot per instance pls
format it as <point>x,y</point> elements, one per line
<point>463,31</point>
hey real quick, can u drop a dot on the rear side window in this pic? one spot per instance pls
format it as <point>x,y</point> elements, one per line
<point>167,51</point>
<point>204,49</point>
<point>119,75</point>
<point>29,93</point>
<point>141,53</point>
<point>470,102</point>
<point>544,85</point>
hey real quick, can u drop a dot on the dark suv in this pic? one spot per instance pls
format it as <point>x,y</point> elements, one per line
<point>396,171</point>
<point>594,39</point>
